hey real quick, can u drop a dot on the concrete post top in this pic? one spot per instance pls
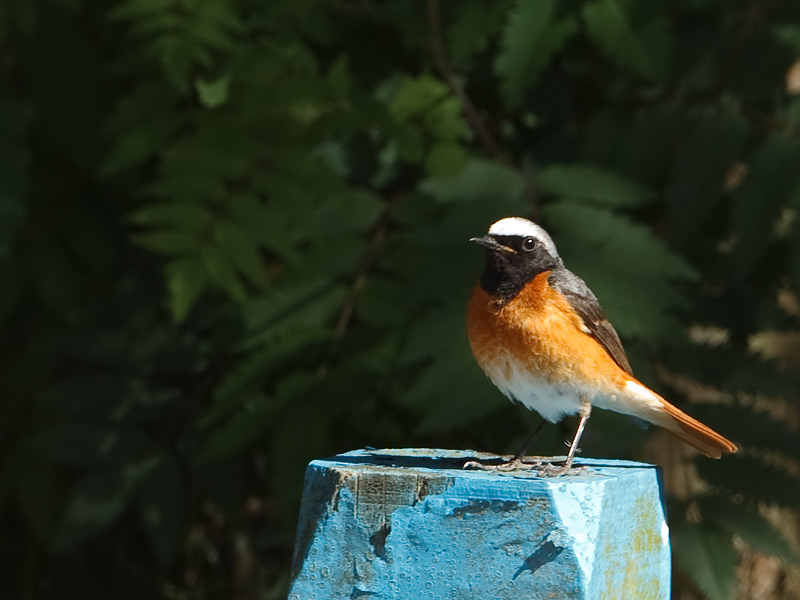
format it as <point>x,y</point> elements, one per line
<point>451,462</point>
<point>412,523</point>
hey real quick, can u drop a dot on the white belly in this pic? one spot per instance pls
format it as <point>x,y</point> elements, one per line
<point>552,400</point>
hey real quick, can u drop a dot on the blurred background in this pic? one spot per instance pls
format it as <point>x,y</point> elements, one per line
<point>233,238</point>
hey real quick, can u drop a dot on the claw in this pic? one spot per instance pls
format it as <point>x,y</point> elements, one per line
<point>515,464</point>
<point>543,469</point>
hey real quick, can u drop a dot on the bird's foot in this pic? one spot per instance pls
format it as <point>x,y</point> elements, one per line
<point>551,470</point>
<point>515,464</point>
<point>542,468</point>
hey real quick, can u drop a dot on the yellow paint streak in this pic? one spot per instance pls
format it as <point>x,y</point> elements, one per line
<point>646,543</point>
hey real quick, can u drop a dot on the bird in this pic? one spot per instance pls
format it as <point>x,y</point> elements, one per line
<point>541,336</point>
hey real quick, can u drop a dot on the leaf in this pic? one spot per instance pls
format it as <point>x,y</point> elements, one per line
<point>82,444</point>
<point>767,187</point>
<point>641,46</point>
<point>409,143</point>
<point>631,271</point>
<point>142,124</point>
<point>756,531</point>
<point>242,430</point>
<point>243,385</point>
<point>601,186</point>
<point>265,224</point>
<point>310,317</point>
<point>242,252</point>
<point>699,169</point>
<point>258,416</point>
<point>788,35</point>
<point>444,119</point>
<point>377,302</point>
<point>751,428</point>
<point>311,299</point>
<point>355,212</point>
<point>473,27</point>
<point>180,36</point>
<point>213,94</point>
<point>451,391</point>
<point>415,97</point>
<point>161,501</point>
<point>425,101</point>
<point>168,242</point>
<point>479,180</point>
<point>707,556</point>
<point>652,142</point>
<point>182,216</point>
<point>533,34</point>
<point>221,272</point>
<point>186,281</point>
<point>97,499</point>
<point>763,482</point>
<point>446,159</point>
<point>340,77</point>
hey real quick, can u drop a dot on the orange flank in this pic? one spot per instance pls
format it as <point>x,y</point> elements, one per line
<point>536,345</point>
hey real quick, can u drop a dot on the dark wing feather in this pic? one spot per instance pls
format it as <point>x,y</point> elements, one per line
<point>585,303</point>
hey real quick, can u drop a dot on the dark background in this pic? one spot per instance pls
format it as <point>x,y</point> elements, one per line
<point>233,238</point>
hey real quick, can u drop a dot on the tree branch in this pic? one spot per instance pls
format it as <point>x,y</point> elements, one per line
<point>359,279</point>
<point>474,118</point>
<point>472,115</point>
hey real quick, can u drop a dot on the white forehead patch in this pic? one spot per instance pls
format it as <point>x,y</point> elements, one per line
<point>524,228</point>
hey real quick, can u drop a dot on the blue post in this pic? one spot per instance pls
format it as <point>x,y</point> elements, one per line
<point>412,525</point>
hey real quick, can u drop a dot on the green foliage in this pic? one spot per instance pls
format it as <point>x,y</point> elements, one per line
<point>631,270</point>
<point>749,525</point>
<point>634,34</point>
<point>233,237</point>
<point>706,554</point>
<point>757,203</point>
<point>533,34</point>
<point>699,168</point>
<point>590,183</point>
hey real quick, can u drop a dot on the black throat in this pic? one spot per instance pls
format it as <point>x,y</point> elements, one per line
<point>506,274</point>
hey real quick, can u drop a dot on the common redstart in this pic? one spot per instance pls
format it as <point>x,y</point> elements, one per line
<point>539,333</point>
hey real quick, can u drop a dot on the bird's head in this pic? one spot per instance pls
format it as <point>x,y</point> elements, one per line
<point>517,251</point>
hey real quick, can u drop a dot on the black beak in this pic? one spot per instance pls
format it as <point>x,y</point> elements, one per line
<point>492,244</point>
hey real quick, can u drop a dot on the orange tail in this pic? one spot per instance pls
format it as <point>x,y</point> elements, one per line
<point>643,402</point>
<point>693,432</point>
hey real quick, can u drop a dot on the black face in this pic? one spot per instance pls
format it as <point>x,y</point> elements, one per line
<point>512,261</point>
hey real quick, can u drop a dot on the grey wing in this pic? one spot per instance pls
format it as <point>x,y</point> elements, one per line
<point>585,303</point>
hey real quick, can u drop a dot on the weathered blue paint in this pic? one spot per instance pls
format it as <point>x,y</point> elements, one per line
<point>412,525</point>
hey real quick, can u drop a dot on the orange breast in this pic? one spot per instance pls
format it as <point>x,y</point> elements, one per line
<point>541,333</point>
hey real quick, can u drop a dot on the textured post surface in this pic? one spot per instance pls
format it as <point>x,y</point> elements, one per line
<point>411,524</point>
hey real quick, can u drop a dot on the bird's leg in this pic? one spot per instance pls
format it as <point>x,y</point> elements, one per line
<point>517,462</point>
<point>586,410</point>
<point>550,470</point>
<point>529,442</point>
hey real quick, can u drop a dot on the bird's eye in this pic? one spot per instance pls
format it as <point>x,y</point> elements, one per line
<point>529,243</point>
